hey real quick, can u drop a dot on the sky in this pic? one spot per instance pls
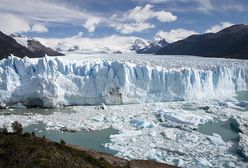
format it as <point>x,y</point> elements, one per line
<point>148,19</point>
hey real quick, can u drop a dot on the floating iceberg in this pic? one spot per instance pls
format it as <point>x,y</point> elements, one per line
<point>51,82</point>
<point>139,123</point>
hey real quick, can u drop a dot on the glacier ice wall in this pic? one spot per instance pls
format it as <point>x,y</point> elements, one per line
<point>51,82</point>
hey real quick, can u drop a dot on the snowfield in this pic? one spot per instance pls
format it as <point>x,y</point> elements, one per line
<point>118,79</point>
<point>163,101</point>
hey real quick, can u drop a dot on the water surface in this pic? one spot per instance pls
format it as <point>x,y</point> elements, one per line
<point>91,140</point>
<point>223,128</point>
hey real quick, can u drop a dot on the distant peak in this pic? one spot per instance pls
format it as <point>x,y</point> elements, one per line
<point>17,35</point>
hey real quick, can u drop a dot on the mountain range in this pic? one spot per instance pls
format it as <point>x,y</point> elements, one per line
<point>231,42</point>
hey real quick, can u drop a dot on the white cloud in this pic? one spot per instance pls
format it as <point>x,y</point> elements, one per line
<point>204,6</point>
<point>37,13</point>
<point>39,28</point>
<point>10,23</point>
<point>141,14</point>
<point>136,19</point>
<point>174,35</point>
<point>91,23</point>
<point>218,27</point>
<point>128,28</point>
<point>44,11</point>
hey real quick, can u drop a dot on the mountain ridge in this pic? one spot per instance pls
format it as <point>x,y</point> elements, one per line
<point>230,42</point>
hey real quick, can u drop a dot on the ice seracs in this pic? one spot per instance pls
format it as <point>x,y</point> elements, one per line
<point>51,82</point>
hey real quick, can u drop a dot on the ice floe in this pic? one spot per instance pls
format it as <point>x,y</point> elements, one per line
<point>181,118</point>
<point>143,136</point>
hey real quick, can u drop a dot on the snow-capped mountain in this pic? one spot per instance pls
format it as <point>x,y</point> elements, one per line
<point>153,47</point>
<point>65,46</point>
<point>138,44</point>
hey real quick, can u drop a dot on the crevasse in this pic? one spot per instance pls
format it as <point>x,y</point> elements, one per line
<point>50,82</point>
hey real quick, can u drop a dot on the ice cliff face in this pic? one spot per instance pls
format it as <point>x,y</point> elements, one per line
<point>50,82</point>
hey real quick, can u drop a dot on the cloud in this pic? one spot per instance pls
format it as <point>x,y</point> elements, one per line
<point>40,28</point>
<point>128,28</point>
<point>141,14</point>
<point>44,11</point>
<point>37,12</point>
<point>174,35</point>
<point>10,23</point>
<point>137,19</point>
<point>203,6</point>
<point>91,23</point>
<point>218,27</point>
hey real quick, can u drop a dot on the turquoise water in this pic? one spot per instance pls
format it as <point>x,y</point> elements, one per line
<point>36,111</point>
<point>223,128</point>
<point>91,140</point>
<point>242,96</point>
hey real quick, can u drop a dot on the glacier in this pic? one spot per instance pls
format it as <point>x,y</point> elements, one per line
<point>159,127</point>
<point>52,82</point>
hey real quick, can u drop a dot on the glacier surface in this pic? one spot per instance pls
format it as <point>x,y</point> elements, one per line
<point>52,82</point>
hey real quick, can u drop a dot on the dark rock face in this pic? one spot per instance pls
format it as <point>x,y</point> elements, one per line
<point>231,42</point>
<point>40,50</point>
<point>153,47</point>
<point>8,45</point>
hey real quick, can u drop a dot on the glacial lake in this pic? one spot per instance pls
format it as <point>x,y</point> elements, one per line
<point>90,140</point>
